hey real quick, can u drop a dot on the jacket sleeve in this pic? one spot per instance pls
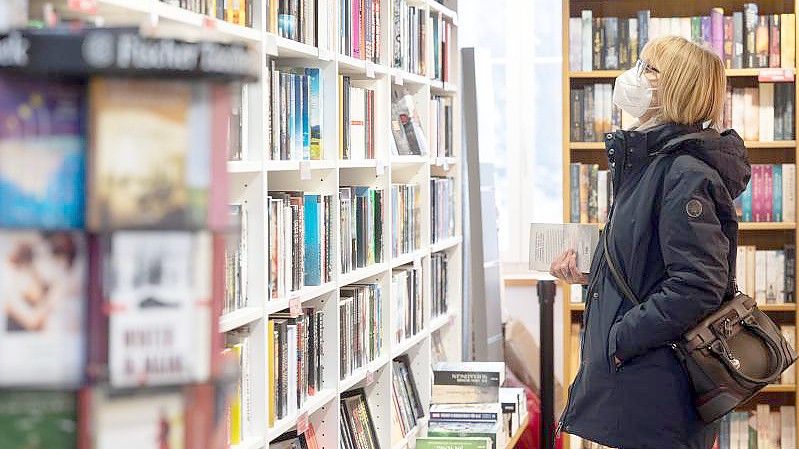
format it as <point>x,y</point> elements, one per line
<point>695,250</point>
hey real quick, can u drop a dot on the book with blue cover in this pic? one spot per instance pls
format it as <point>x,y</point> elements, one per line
<point>777,192</point>
<point>313,268</point>
<point>42,154</point>
<point>316,114</point>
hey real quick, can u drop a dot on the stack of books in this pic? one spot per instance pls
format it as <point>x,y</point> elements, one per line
<point>295,370</point>
<point>442,30</point>
<point>239,414</point>
<point>466,401</point>
<point>744,39</point>
<point>300,241</point>
<point>439,273</point>
<point>590,193</point>
<point>236,261</point>
<point>355,422</point>
<point>764,113</point>
<point>442,208</point>
<point>593,113</point>
<point>408,409</point>
<point>294,440</point>
<point>361,228</point>
<point>765,426</point>
<point>406,126</point>
<point>295,113</point>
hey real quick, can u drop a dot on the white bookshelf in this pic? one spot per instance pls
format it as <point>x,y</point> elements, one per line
<point>251,179</point>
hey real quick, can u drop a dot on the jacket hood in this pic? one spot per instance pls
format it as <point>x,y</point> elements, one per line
<point>725,151</point>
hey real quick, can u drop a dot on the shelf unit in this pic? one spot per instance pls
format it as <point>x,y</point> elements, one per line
<point>251,179</point>
<point>766,235</point>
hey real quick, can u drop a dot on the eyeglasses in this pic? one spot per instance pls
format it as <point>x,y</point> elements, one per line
<point>642,67</point>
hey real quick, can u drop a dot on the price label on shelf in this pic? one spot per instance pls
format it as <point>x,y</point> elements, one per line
<point>398,79</point>
<point>154,19</point>
<point>325,54</point>
<point>370,69</point>
<point>270,44</point>
<point>305,170</point>
<point>370,377</point>
<point>83,6</point>
<point>445,164</point>
<point>380,167</point>
<point>209,23</point>
<point>417,263</point>
<point>302,423</point>
<point>295,307</point>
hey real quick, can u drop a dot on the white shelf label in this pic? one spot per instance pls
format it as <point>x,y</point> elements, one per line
<point>302,423</point>
<point>398,79</point>
<point>370,377</point>
<point>295,307</point>
<point>83,6</point>
<point>370,69</point>
<point>270,44</point>
<point>154,19</point>
<point>305,170</point>
<point>380,167</point>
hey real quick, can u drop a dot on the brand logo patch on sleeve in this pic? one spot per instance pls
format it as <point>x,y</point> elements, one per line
<point>693,208</point>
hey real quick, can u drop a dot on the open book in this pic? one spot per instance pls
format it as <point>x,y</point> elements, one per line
<point>548,241</point>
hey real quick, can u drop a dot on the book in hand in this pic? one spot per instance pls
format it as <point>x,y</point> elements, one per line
<point>44,298</point>
<point>548,241</point>
<point>42,153</point>
<point>467,382</point>
<point>453,443</point>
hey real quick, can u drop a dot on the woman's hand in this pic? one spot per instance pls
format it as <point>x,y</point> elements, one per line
<point>564,267</point>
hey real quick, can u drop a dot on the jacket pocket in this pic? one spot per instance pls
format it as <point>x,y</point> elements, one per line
<point>612,348</point>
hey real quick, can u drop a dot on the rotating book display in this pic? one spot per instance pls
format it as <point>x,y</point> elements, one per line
<point>757,42</point>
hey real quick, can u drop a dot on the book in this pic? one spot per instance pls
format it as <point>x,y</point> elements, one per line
<point>467,382</point>
<point>38,419</point>
<point>357,426</point>
<point>789,332</point>
<point>547,241</point>
<point>453,443</point>
<point>406,216</point>
<point>442,132</point>
<point>408,297</point>
<point>787,426</point>
<point>404,394</point>
<point>142,421</point>
<point>788,40</point>
<point>493,431</point>
<point>440,292</point>
<point>586,18</point>
<point>160,327</point>
<point>405,125</point>
<point>42,154</point>
<point>488,412</point>
<point>442,208</point>
<point>236,296</point>
<point>361,316</point>
<point>45,301</point>
<point>296,94</point>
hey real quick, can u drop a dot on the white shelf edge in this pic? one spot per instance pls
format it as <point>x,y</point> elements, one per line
<point>439,87</point>
<point>287,48</point>
<point>304,294</point>
<point>407,258</point>
<point>294,165</point>
<point>243,166</point>
<point>359,375</point>
<point>409,159</point>
<point>452,15</point>
<point>404,346</point>
<point>361,273</point>
<point>436,323</point>
<point>312,404</point>
<point>251,442</point>
<point>447,243</point>
<point>239,318</point>
<point>358,163</point>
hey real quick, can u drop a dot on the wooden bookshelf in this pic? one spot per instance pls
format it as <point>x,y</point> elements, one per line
<point>767,235</point>
<point>519,432</point>
<point>251,179</point>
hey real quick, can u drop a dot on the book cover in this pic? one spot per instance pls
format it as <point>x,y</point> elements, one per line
<point>788,41</point>
<point>750,22</point>
<point>459,429</point>
<point>150,165</point>
<point>44,302</point>
<point>717,31</point>
<point>776,192</point>
<point>453,443</point>
<point>42,153</point>
<point>548,241</point>
<point>143,421</point>
<point>467,382</point>
<point>765,108</point>
<point>405,124</point>
<point>158,293</point>
<point>38,419</point>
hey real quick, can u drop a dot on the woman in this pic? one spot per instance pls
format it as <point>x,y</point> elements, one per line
<point>672,234</point>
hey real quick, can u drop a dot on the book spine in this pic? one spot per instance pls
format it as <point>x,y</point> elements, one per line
<point>587,39</point>
<point>633,38</point>
<point>728,41</point>
<point>707,31</point>
<point>768,199</point>
<point>765,109</point>
<point>750,25</point>
<point>776,192</point>
<point>575,40</point>
<point>788,192</point>
<point>597,44</point>
<point>774,41</point>
<point>588,114</point>
<point>788,41</point>
<point>592,193</point>
<point>611,40</point>
<point>576,112</point>
<point>761,41</point>
<point>584,192</point>
<point>757,194</point>
<point>737,40</point>
<point>574,193</point>
<point>717,31</point>
<point>643,28</point>
<point>790,273</point>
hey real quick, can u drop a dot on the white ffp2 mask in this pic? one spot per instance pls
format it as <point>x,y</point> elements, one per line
<point>632,93</point>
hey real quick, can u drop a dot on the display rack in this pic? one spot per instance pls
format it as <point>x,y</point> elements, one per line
<point>765,235</point>
<point>251,179</point>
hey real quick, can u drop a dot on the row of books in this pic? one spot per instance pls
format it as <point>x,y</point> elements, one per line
<point>468,401</point>
<point>442,208</point>
<point>295,19</point>
<point>300,241</point>
<point>357,118</point>
<point>441,29</point>
<point>764,113</point>
<point>406,223</point>
<point>357,429</point>
<point>297,440</point>
<point>441,126</point>
<point>769,196</point>
<point>173,417</point>
<point>439,280</point>
<point>361,326</point>
<point>295,345</point>
<point>362,216</point>
<point>360,29</point>
<point>766,426</point>
<point>408,302</point>
<point>743,39</point>
<point>590,193</point>
<point>295,116</point>
<point>406,127</point>
<point>239,413</point>
<point>239,12</point>
<point>407,407</point>
<point>593,113</point>
<point>767,275</point>
<point>410,28</point>
<point>236,261</point>
<point>174,183</point>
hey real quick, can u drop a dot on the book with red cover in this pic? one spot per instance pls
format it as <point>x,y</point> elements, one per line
<point>757,193</point>
<point>356,28</point>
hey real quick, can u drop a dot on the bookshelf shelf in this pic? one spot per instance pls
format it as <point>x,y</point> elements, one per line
<point>442,88</point>
<point>444,162</point>
<point>411,78</point>
<point>436,323</point>
<point>239,318</point>
<point>362,373</point>
<point>249,443</point>
<point>296,165</point>
<point>243,167</point>
<point>445,244</point>
<point>361,274</point>
<point>362,163</point>
<point>405,345</point>
<point>410,436</point>
<point>302,295</point>
<point>404,259</point>
<point>312,404</point>
<point>287,48</point>
<point>763,236</point>
<point>409,160</point>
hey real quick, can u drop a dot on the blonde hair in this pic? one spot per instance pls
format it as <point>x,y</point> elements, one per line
<point>692,83</point>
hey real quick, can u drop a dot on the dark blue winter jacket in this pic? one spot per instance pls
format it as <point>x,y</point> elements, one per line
<point>674,234</point>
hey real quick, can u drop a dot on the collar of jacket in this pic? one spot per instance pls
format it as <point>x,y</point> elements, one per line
<point>628,151</point>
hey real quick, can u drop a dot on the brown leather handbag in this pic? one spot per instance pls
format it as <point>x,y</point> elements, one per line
<point>730,355</point>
